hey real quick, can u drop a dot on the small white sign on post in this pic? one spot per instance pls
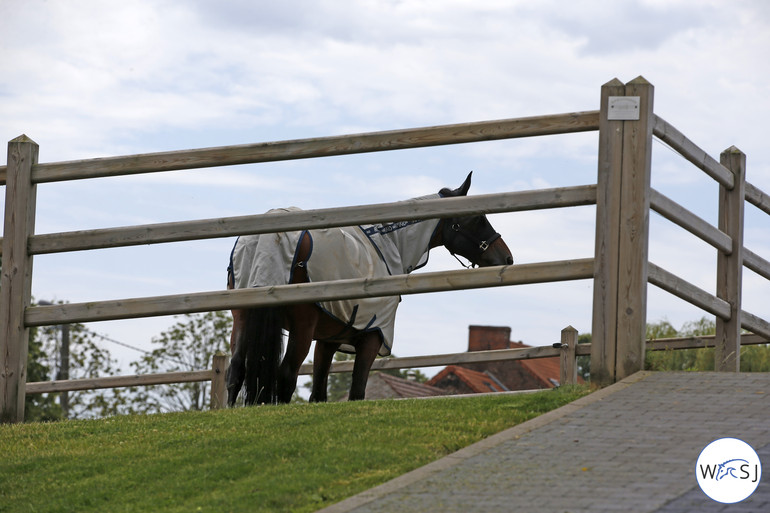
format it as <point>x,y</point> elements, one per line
<point>624,108</point>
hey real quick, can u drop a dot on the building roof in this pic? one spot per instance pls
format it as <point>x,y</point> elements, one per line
<point>546,370</point>
<point>479,382</point>
<point>518,374</point>
<point>387,386</point>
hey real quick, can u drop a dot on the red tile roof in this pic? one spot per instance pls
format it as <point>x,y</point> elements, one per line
<point>546,370</point>
<point>518,374</point>
<point>479,382</point>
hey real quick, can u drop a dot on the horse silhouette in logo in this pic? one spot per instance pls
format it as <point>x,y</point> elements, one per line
<point>725,470</point>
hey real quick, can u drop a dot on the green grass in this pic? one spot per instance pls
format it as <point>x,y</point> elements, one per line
<point>286,458</point>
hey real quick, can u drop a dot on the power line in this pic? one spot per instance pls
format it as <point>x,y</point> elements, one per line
<point>129,346</point>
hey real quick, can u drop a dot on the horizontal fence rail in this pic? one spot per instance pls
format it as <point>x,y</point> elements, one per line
<point>134,380</point>
<point>216,375</point>
<point>690,222</point>
<point>758,198</point>
<point>309,219</point>
<point>690,293</point>
<point>689,150</point>
<point>705,301</point>
<point>756,263</point>
<point>409,362</point>
<point>302,293</point>
<point>315,147</point>
<point>755,324</point>
<point>406,362</point>
<point>699,342</point>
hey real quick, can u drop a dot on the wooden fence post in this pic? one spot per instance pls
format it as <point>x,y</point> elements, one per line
<point>634,233</point>
<point>727,349</point>
<point>622,229</point>
<point>568,358</point>
<point>218,384</point>
<point>16,276</point>
<point>606,252</point>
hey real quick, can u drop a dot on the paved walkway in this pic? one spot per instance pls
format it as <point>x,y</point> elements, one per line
<point>630,447</point>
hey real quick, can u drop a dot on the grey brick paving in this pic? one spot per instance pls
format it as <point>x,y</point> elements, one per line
<point>631,447</point>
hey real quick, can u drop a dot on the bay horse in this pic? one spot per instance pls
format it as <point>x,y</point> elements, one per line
<point>363,326</point>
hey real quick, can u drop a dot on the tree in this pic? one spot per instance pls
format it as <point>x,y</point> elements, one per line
<point>87,360</point>
<point>681,359</point>
<point>755,358</point>
<point>188,345</point>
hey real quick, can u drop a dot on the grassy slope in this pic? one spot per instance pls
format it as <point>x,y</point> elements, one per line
<point>287,458</point>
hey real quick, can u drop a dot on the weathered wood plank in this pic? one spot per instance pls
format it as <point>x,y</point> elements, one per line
<point>727,351</point>
<point>16,277</point>
<point>690,222</point>
<point>567,360</point>
<point>408,362</point>
<point>301,293</point>
<point>758,198</point>
<point>634,233</point>
<point>219,366</point>
<point>755,324</point>
<point>306,369</point>
<point>72,385</point>
<point>687,291</point>
<point>690,151</point>
<point>309,219</point>
<point>756,263</point>
<point>605,290</point>
<point>379,364</point>
<point>671,344</point>
<point>318,147</point>
<point>699,342</point>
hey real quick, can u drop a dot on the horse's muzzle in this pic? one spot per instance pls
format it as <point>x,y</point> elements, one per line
<point>496,254</point>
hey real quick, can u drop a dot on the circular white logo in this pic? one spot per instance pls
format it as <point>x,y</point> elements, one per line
<point>728,470</point>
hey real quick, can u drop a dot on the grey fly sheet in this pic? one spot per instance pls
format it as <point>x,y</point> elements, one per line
<point>368,251</point>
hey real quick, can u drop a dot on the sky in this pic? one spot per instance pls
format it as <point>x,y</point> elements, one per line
<point>89,78</point>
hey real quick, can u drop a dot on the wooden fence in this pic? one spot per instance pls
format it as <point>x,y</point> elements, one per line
<point>567,350</point>
<point>619,267</point>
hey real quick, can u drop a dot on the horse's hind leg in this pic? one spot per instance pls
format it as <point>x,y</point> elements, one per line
<point>367,347</point>
<point>322,361</point>
<point>239,344</point>
<point>302,322</point>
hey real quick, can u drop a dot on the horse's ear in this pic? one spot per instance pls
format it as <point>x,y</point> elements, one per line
<point>460,191</point>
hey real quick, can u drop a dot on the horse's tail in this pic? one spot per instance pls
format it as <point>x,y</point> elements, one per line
<point>256,356</point>
<point>264,356</point>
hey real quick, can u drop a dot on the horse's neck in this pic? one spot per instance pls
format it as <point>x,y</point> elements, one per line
<point>405,245</point>
<point>413,243</point>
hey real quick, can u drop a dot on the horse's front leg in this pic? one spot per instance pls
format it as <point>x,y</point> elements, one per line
<point>302,322</point>
<point>322,361</point>
<point>367,347</point>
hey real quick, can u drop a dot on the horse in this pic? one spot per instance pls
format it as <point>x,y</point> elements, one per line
<point>363,326</point>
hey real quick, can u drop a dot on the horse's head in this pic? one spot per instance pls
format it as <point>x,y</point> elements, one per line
<point>473,236</point>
